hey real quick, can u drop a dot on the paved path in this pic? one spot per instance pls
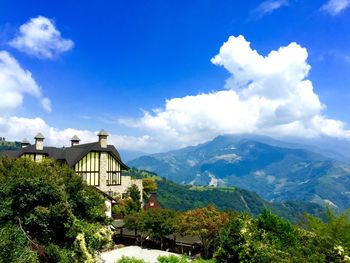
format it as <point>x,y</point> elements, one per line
<point>148,255</point>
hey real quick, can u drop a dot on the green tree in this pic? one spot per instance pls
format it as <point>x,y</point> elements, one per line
<point>160,223</point>
<point>149,185</point>
<point>172,259</point>
<point>48,205</point>
<point>335,233</point>
<point>133,204</point>
<point>204,223</point>
<point>137,222</point>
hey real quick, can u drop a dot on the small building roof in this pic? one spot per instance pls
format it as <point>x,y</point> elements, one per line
<point>39,136</point>
<point>25,141</point>
<point>102,133</point>
<point>75,138</point>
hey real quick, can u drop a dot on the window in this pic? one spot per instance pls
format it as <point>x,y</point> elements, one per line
<point>89,168</point>
<point>113,171</point>
<point>29,155</point>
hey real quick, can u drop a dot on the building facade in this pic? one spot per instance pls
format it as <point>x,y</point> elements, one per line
<point>98,163</point>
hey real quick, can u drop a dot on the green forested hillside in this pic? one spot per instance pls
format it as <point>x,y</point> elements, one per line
<point>184,197</point>
<point>5,145</point>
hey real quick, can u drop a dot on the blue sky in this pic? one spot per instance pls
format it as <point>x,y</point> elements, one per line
<point>110,64</point>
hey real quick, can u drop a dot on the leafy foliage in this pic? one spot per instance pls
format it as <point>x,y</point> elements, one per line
<point>129,205</point>
<point>137,222</point>
<point>47,207</point>
<point>272,239</point>
<point>161,222</point>
<point>204,223</point>
<point>130,260</point>
<point>172,259</point>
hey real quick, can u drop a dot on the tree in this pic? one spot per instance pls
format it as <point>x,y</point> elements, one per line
<point>160,223</point>
<point>137,222</point>
<point>335,233</point>
<point>47,206</point>
<point>149,185</point>
<point>134,203</point>
<point>204,223</point>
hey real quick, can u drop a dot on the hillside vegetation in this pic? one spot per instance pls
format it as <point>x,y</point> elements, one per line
<point>184,197</point>
<point>6,145</point>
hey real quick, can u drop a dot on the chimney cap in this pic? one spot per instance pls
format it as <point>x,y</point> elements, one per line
<point>39,136</point>
<point>102,133</point>
<point>25,141</point>
<point>75,138</point>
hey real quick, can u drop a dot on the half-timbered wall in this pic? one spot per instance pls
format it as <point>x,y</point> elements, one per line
<point>29,155</point>
<point>113,171</point>
<point>89,168</point>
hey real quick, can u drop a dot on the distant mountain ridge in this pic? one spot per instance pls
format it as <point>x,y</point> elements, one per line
<point>275,170</point>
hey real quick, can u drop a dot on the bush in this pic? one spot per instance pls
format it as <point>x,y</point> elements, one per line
<point>44,208</point>
<point>130,260</point>
<point>172,259</point>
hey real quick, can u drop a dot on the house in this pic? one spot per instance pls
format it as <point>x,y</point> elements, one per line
<point>98,163</point>
<point>152,202</point>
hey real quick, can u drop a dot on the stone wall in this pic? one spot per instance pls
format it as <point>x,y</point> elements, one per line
<point>117,190</point>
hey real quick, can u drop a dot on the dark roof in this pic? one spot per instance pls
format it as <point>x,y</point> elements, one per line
<point>184,239</point>
<point>39,136</point>
<point>71,155</point>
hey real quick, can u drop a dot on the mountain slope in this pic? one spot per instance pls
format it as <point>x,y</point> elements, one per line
<point>275,173</point>
<point>184,197</point>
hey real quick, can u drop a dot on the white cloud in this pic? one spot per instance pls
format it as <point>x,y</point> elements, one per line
<point>268,7</point>
<point>17,128</point>
<point>14,83</point>
<point>268,95</point>
<point>39,37</point>
<point>334,7</point>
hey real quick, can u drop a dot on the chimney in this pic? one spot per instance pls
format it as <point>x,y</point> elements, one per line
<point>39,142</point>
<point>75,140</point>
<point>24,143</point>
<point>102,138</point>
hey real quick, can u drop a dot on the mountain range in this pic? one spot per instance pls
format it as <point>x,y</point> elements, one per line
<point>275,170</point>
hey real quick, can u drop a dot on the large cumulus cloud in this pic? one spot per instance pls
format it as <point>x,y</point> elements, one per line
<point>269,95</point>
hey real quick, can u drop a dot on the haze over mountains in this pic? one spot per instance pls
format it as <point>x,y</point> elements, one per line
<point>275,170</point>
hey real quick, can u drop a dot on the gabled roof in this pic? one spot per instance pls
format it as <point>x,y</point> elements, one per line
<point>71,155</point>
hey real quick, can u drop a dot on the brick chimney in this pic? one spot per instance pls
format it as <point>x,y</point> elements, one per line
<point>39,142</point>
<point>24,143</point>
<point>75,140</point>
<point>102,138</point>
